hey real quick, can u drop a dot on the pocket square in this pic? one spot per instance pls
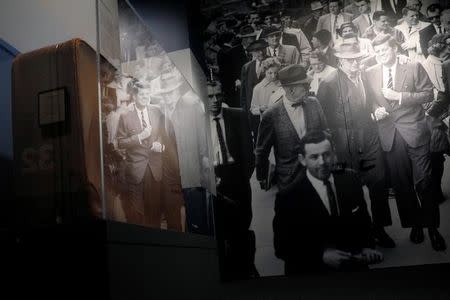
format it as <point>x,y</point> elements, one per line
<point>355,209</point>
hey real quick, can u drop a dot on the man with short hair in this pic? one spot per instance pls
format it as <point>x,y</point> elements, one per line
<point>410,27</point>
<point>310,25</point>
<point>381,25</point>
<point>427,33</point>
<point>295,37</point>
<point>321,41</point>
<point>445,20</point>
<point>321,221</point>
<point>333,20</point>
<point>284,124</point>
<point>365,18</point>
<point>397,103</point>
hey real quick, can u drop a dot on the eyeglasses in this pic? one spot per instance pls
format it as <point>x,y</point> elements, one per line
<point>434,17</point>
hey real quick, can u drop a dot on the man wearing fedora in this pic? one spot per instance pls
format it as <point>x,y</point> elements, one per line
<point>310,25</point>
<point>230,60</point>
<point>189,171</point>
<point>396,98</point>
<point>251,74</point>
<point>286,54</point>
<point>354,133</point>
<point>284,124</point>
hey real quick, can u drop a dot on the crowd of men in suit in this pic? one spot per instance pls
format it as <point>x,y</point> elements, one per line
<point>341,97</point>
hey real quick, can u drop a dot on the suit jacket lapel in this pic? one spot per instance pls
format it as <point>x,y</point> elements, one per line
<point>285,116</point>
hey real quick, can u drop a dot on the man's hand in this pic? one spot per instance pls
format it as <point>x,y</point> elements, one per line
<point>157,147</point>
<point>408,45</point>
<point>390,94</point>
<point>145,133</point>
<point>369,256</point>
<point>381,113</point>
<point>334,258</point>
<point>403,59</point>
<point>263,184</point>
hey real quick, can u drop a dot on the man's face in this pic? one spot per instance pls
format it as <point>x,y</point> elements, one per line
<point>315,42</point>
<point>296,92</point>
<point>318,159</point>
<point>215,98</point>
<point>286,21</point>
<point>385,54</point>
<point>412,18</point>
<point>316,65</point>
<point>445,20</point>
<point>334,7</point>
<point>273,40</point>
<point>316,13</point>
<point>258,54</point>
<point>272,73</point>
<point>416,4</point>
<point>268,20</point>
<point>253,18</point>
<point>170,98</point>
<point>434,17</point>
<point>350,65</point>
<point>363,7</point>
<point>382,24</point>
<point>347,30</point>
<point>143,98</point>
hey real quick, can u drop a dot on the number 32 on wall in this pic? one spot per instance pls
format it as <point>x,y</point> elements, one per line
<point>36,160</point>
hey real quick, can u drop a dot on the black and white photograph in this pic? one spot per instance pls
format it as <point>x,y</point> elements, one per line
<point>344,108</point>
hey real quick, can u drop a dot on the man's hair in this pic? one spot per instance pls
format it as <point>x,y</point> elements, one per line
<point>383,38</point>
<point>270,62</point>
<point>378,14</point>
<point>313,137</point>
<point>438,43</point>
<point>408,8</point>
<point>434,7</point>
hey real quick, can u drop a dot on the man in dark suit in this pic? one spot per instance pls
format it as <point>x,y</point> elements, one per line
<point>343,99</point>
<point>321,221</point>
<point>251,75</point>
<point>233,165</point>
<point>393,8</point>
<point>427,33</point>
<point>397,97</point>
<point>142,133</point>
<point>284,124</point>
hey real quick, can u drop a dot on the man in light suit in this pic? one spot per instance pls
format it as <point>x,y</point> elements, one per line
<point>397,97</point>
<point>365,19</point>
<point>321,221</point>
<point>410,27</point>
<point>142,133</point>
<point>333,21</point>
<point>284,124</point>
<point>286,54</point>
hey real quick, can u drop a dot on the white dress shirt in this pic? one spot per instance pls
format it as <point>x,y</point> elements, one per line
<point>147,121</point>
<point>321,190</point>
<point>297,117</point>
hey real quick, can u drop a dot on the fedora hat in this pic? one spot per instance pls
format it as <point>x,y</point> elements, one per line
<point>246,31</point>
<point>293,74</point>
<point>270,30</point>
<point>257,45</point>
<point>348,50</point>
<point>315,5</point>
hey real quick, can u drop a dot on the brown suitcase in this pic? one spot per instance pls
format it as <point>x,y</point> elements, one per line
<point>56,134</point>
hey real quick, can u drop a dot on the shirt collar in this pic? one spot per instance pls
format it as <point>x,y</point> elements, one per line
<point>318,182</point>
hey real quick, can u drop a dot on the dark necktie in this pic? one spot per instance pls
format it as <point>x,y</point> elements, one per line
<point>223,148</point>
<point>439,29</point>
<point>370,20</point>
<point>274,52</point>
<point>410,27</point>
<point>144,124</point>
<point>331,198</point>
<point>335,25</point>
<point>390,84</point>
<point>297,104</point>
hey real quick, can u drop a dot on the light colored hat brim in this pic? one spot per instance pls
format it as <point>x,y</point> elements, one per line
<point>308,79</point>
<point>349,55</point>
